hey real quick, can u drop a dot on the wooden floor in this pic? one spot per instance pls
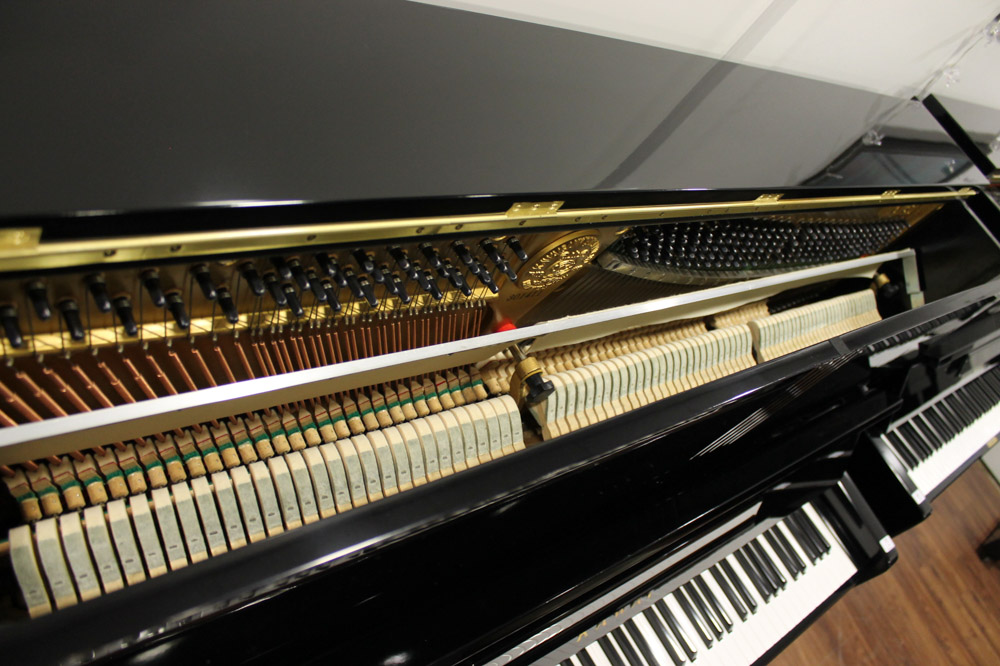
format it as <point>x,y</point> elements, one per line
<point>939,604</point>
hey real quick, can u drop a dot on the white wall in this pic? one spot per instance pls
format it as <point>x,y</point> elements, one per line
<point>887,46</point>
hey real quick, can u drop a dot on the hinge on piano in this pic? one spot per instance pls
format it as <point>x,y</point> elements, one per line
<point>889,194</point>
<point>768,198</point>
<point>20,238</point>
<point>534,208</point>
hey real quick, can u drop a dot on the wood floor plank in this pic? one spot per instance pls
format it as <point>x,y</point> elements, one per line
<point>938,605</point>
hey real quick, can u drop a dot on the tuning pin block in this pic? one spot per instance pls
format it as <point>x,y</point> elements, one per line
<point>39,298</point>
<point>332,268</point>
<point>123,308</point>
<point>98,288</point>
<point>399,255</point>
<point>71,317</point>
<point>8,317</point>
<point>315,286</point>
<point>331,294</point>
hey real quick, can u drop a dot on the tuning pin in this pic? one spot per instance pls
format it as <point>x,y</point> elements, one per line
<point>299,273</point>
<point>331,294</point>
<point>399,256</point>
<point>250,274</point>
<point>368,291</point>
<point>8,316</point>
<point>401,293</point>
<point>462,252</point>
<point>515,246</point>
<point>99,290</point>
<point>204,280</point>
<point>227,305</point>
<point>487,280</point>
<point>432,256</point>
<point>390,286</point>
<point>314,284</point>
<point>123,308</point>
<point>332,268</point>
<point>39,299</point>
<point>494,255</point>
<point>176,306</point>
<point>431,285</point>
<point>456,279</point>
<point>366,262</point>
<point>71,315</point>
<point>151,281</point>
<point>283,270</point>
<point>274,286</point>
<point>292,298</point>
<point>352,283</point>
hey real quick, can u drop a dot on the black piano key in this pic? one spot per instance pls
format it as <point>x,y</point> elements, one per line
<point>927,431</point>
<point>985,402</point>
<point>916,442</point>
<point>792,553</point>
<point>902,448</point>
<point>714,604</point>
<point>610,651</point>
<point>584,658</point>
<point>765,576</point>
<point>737,584</point>
<point>677,630</point>
<point>932,415</point>
<point>803,539</point>
<point>768,567</point>
<point>950,416</point>
<point>625,647</point>
<point>755,576</point>
<point>989,388</point>
<point>701,605</point>
<point>779,550</point>
<point>693,617</point>
<point>661,632</point>
<point>731,594</point>
<point>640,642</point>
<point>816,534</point>
<point>992,380</point>
<point>565,662</point>
<point>963,413</point>
<point>969,400</point>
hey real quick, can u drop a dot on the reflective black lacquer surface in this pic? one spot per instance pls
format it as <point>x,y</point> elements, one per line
<point>122,105</point>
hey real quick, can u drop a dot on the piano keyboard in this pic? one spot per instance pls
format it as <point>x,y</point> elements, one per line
<point>146,535</point>
<point>739,604</point>
<point>941,436</point>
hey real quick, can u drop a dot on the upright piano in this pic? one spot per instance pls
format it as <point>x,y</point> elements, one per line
<point>468,378</point>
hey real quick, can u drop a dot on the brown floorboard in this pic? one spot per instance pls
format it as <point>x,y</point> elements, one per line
<point>938,605</point>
